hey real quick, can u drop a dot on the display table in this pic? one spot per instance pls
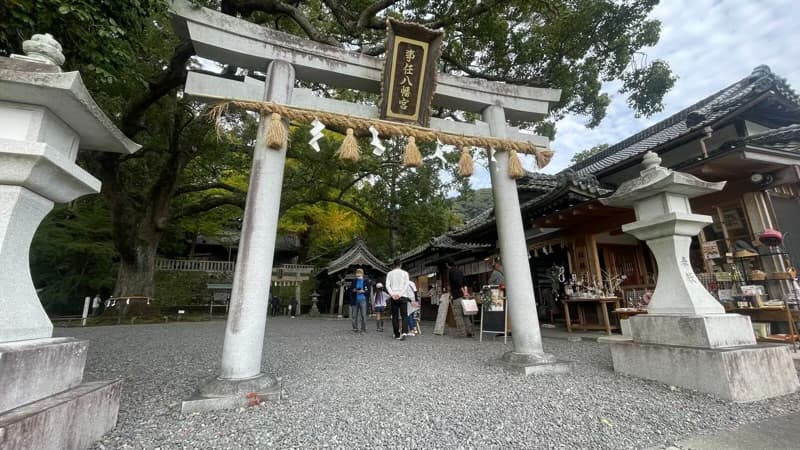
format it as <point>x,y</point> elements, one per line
<point>600,304</point>
<point>627,313</point>
<point>774,314</point>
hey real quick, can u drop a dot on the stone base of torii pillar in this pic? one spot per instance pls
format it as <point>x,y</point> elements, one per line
<point>687,339</point>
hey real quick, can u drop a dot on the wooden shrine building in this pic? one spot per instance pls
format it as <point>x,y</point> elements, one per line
<point>335,278</point>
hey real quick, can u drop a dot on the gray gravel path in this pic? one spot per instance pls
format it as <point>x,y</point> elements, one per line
<point>346,390</point>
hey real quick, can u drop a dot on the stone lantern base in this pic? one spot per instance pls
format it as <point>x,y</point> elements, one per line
<point>716,354</point>
<point>44,403</point>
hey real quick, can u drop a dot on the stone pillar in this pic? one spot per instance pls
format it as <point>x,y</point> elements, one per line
<point>528,354</point>
<point>240,371</point>
<point>341,299</point>
<point>297,297</point>
<point>45,117</point>
<point>21,212</point>
<point>686,339</point>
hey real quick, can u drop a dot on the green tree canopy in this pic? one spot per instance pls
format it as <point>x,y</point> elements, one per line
<point>135,67</point>
<point>585,154</point>
<point>72,255</point>
<point>572,45</point>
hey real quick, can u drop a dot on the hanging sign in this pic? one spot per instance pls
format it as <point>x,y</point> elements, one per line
<point>409,74</point>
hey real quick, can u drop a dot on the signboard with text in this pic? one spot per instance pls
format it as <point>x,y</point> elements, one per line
<point>409,74</point>
<point>710,250</point>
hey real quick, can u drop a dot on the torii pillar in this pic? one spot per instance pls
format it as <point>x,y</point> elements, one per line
<point>254,47</point>
<point>242,352</point>
<point>528,355</point>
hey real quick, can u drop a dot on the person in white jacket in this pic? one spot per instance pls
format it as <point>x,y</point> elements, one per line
<point>397,287</point>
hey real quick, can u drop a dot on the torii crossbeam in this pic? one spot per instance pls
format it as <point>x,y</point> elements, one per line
<point>284,58</point>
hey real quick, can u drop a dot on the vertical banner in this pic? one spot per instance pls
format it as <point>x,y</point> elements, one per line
<point>409,74</point>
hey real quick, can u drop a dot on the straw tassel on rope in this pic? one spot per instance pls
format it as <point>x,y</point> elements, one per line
<point>349,149</point>
<point>276,135</point>
<point>515,169</point>
<point>543,158</point>
<point>465,165</point>
<point>412,157</point>
<point>384,128</point>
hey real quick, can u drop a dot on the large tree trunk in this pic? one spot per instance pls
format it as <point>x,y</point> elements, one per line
<point>140,211</point>
<point>136,237</point>
<point>137,277</point>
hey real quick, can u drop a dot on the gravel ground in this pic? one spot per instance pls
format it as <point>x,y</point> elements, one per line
<point>346,390</point>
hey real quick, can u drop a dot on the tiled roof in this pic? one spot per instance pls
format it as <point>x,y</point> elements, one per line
<point>537,181</point>
<point>695,117</point>
<point>357,255</point>
<point>586,186</point>
<point>785,138</point>
<point>442,241</point>
<point>479,221</point>
<point>559,184</point>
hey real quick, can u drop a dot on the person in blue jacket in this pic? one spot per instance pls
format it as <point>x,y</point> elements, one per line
<point>359,291</point>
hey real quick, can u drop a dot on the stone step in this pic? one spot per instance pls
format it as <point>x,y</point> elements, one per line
<point>70,420</point>
<point>34,369</point>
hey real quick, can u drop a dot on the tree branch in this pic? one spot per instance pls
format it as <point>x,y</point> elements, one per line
<point>180,190</point>
<point>340,13</point>
<point>355,208</point>
<point>476,10</point>
<point>209,203</point>
<point>368,14</point>
<point>352,183</point>
<point>247,7</point>
<point>533,82</point>
<point>166,81</point>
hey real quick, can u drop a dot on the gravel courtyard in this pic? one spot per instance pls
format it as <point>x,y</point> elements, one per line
<point>346,390</point>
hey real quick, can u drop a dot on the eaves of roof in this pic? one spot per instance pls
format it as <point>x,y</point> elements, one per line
<point>710,110</point>
<point>565,183</point>
<point>784,138</point>
<point>358,254</point>
<point>443,241</point>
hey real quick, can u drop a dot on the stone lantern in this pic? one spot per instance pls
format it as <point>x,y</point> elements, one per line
<point>314,299</point>
<point>687,339</point>
<point>46,116</point>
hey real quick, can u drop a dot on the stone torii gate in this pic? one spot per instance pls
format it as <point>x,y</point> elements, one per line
<point>285,58</point>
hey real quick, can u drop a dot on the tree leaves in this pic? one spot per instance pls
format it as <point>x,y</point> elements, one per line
<point>99,37</point>
<point>646,86</point>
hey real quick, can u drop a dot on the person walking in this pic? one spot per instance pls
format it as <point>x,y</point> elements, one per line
<point>497,277</point>
<point>397,287</point>
<point>458,290</point>
<point>96,305</point>
<point>293,307</point>
<point>413,306</point>
<point>359,293</point>
<point>379,299</point>
<point>274,305</point>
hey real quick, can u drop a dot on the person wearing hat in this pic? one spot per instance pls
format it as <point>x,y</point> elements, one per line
<point>359,295</point>
<point>379,299</point>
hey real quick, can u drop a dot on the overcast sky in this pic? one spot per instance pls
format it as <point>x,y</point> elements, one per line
<point>709,44</point>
